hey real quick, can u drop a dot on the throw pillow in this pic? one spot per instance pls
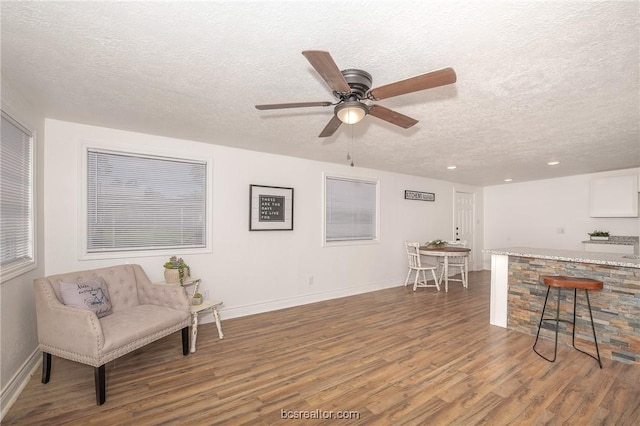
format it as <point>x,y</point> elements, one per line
<point>90,294</point>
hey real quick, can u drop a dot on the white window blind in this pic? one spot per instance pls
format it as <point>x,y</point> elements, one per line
<point>16,196</point>
<point>350,209</point>
<point>139,202</point>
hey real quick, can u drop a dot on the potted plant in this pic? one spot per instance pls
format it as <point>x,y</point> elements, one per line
<point>175,270</point>
<point>196,299</point>
<point>436,244</point>
<point>599,235</point>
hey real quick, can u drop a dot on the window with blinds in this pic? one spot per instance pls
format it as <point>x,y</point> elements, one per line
<point>16,198</point>
<point>350,209</point>
<point>137,202</point>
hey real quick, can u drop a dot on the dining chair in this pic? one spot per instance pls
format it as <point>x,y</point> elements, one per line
<point>413,255</point>
<point>460,262</point>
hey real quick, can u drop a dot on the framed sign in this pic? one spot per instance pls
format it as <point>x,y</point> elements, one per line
<point>270,208</point>
<point>417,195</point>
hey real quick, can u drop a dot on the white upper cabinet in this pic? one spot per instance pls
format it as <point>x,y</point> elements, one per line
<point>614,196</point>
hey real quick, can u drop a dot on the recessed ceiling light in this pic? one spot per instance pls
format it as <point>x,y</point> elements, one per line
<point>451,167</point>
<point>553,163</point>
<point>508,180</point>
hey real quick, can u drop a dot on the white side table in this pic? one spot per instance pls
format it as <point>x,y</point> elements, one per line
<point>207,305</point>
<point>204,307</point>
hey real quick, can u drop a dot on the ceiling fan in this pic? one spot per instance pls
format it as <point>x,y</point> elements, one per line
<point>352,86</point>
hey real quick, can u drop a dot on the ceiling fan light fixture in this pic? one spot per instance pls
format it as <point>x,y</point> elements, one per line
<point>351,112</point>
<point>353,86</point>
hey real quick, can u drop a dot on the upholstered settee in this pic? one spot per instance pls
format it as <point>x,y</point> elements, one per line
<point>139,313</point>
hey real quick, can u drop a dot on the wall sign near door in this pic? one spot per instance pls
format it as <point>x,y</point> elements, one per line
<point>417,195</point>
<point>270,208</point>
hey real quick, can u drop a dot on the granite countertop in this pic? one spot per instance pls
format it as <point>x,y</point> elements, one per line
<point>613,259</point>
<point>616,239</point>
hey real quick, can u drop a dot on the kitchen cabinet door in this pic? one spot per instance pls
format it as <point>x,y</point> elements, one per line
<point>614,196</point>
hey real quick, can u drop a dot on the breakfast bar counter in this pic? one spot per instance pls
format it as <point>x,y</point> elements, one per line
<point>517,294</point>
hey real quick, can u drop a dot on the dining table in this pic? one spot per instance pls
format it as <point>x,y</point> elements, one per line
<point>446,252</point>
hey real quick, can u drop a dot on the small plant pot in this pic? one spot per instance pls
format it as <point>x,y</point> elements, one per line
<point>596,238</point>
<point>172,276</point>
<point>196,300</point>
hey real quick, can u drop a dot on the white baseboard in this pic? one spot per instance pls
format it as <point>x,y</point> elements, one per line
<point>17,383</point>
<point>274,305</point>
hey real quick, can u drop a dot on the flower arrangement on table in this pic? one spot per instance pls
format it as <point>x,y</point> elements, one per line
<point>436,244</point>
<point>176,263</point>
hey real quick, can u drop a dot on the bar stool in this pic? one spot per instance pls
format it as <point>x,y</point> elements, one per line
<point>574,283</point>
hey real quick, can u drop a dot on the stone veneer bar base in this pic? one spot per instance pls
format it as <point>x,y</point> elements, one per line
<point>616,309</point>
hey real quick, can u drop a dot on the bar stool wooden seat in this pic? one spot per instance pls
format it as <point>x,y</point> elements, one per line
<point>576,284</point>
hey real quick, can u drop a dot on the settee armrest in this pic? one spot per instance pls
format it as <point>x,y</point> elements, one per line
<point>171,296</point>
<point>64,329</point>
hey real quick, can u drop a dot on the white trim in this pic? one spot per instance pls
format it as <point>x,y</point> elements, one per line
<point>273,305</point>
<point>18,382</point>
<point>499,290</point>
<point>18,269</point>
<point>25,266</point>
<point>324,241</point>
<point>83,152</point>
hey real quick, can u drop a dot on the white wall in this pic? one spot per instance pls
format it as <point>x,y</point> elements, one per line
<point>253,271</point>
<point>550,213</point>
<point>18,333</point>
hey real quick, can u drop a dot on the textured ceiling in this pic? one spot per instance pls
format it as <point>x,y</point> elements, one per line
<point>537,80</point>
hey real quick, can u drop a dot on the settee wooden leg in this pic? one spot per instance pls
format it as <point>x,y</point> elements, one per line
<point>101,392</point>
<point>185,341</point>
<point>46,367</point>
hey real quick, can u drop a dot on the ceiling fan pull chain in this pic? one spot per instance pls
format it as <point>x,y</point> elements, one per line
<point>350,145</point>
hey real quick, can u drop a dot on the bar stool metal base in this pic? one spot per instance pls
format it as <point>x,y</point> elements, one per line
<point>557,320</point>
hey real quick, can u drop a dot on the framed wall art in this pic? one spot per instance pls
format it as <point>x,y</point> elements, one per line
<point>270,208</point>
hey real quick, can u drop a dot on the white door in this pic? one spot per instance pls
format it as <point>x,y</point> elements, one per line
<point>463,220</point>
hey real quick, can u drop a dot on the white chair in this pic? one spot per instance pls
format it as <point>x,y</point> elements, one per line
<point>413,255</point>
<point>460,262</point>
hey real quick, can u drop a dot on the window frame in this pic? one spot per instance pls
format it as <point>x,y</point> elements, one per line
<point>368,180</point>
<point>19,268</point>
<point>83,213</point>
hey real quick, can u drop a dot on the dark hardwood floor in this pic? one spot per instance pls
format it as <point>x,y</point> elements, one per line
<point>387,357</point>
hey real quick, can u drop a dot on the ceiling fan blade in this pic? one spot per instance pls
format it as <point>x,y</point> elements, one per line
<point>328,70</point>
<point>392,116</point>
<point>331,127</point>
<point>422,82</point>
<point>293,105</point>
